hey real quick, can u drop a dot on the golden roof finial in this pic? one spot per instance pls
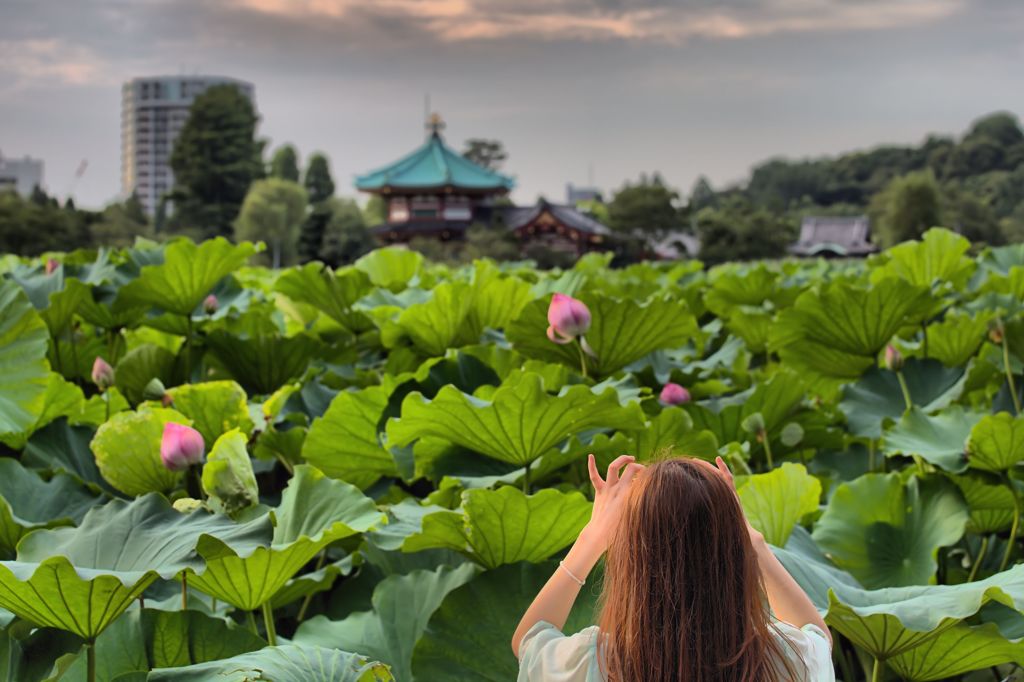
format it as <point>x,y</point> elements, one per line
<point>435,124</point>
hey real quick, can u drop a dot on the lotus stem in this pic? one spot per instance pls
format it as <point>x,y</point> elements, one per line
<point>142,602</point>
<point>188,348</point>
<point>1014,527</point>
<point>184,591</point>
<point>978,559</point>
<point>583,358</point>
<point>74,349</point>
<point>1009,377</point>
<point>526,480</point>
<point>213,604</point>
<point>309,597</point>
<point>268,623</point>
<point>252,623</point>
<point>106,400</point>
<point>871,455</point>
<point>90,660</point>
<point>876,670</point>
<point>905,389</point>
<point>768,452</point>
<point>194,484</point>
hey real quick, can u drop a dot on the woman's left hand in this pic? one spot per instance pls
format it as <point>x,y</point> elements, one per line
<point>609,496</point>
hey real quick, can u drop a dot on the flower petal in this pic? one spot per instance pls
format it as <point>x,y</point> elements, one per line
<point>552,334</point>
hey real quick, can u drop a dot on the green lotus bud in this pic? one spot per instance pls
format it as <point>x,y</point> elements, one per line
<point>154,390</point>
<point>893,358</point>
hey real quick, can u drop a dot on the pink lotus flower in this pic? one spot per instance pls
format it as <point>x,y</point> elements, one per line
<point>181,447</point>
<point>674,394</point>
<point>893,358</point>
<point>102,374</point>
<point>51,265</point>
<point>568,318</point>
<point>210,304</point>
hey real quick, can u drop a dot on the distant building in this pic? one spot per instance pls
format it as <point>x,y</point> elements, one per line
<point>153,112</point>
<point>832,236</point>
<point>21,175</point>
<point>435,192</point>
<point>577,195</point>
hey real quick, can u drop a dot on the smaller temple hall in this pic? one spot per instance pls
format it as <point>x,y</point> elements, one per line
<point>435,192</point>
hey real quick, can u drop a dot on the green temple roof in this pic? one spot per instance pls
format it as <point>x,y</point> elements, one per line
<point>433,165</point>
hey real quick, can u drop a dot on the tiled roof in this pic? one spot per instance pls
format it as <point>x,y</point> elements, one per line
<point>434,165</point>
<point>844,236</point>
<point>519,216</point>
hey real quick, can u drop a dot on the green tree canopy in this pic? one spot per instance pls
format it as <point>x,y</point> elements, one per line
<point>215,159</point>
<point>907,207</point>
<point>346,237</point>
<point>487,153</point>
<point>285,163</point>
<point>737,230</point>
<point>648,206</point>
<point>272,212</point>
<point>318,181</point>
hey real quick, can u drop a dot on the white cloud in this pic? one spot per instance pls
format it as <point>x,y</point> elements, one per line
<point>49,61</point>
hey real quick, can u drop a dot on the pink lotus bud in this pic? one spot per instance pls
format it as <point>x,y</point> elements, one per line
<point>893,358</point>
<point>102,374</point>
<point>568,318</point>
<point>674,394</point>
<point>181,447</point>
<point>210,304</point>
<point>51,265</point>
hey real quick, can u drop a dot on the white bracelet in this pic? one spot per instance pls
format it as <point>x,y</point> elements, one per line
<point>561,565</point>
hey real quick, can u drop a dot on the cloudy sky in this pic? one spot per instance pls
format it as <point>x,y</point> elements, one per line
<point>574,88</point>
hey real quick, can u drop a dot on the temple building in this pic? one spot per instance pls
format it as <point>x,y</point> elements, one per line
<point>435,192</point>
<point>834,237</point>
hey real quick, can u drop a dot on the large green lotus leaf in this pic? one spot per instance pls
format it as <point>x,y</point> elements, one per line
<point>391,267</point>
<point>461,646</point>
<point>731,289</point>
<point>127,450</point>
<point>518,424</point>
<point>940,439</point>
<point>345,443</point>
<point>73,580</point>
<point>332,292</point>
<point>877,395</point>
<point>671,432</point>
<point>957,338</point>
<point>622,331</point>
<point>496,300</point>
<point>63,305</point>
<point>887,622</point>
<point>989,499</point>
<point>186,276</point>
<point>24,371</point>
<point>228,479</point>
<point>505,526</point>
<point>434,325</point>
<point>402,606</point>
<point>62,399</point>
<point>315,511</point>
<point>28,502</point>
<point>60,447</point>
<point>776,501</point>
<point>940,256</point>
<point>288,663</point>
<point>836,331</point>
<point>887,533</point>
<point>265,362</point>
<point>215,407</point>
<point>960,649</point>
<point>753,325</point>
<point>996,442</point>
<point>313,582</point>
<point>141,365</point>
<point>150,638</point>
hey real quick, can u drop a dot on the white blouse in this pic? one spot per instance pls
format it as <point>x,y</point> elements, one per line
<point>548,655</point>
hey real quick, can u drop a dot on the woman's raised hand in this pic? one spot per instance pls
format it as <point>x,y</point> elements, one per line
<point>610,495</point>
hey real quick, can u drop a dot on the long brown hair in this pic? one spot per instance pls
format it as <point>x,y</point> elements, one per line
<point>683,599</point>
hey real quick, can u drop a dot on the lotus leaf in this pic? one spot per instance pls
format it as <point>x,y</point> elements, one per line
<point>333,292</point>
<point>775,502</point>
<point>215,407</point>
<point>996,443</point>
<point>392,268</point>
<point>940,256</point>
<point>940,439</point>
<point>24,371</point>
<point>228,478</point>
<point>289,663</point>
<point>127,450</point>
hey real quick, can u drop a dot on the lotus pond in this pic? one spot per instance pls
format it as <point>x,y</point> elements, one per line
<point>214,471</point>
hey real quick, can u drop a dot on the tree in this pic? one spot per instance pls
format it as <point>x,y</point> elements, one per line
<point>1001,127</point>
<point>346,237</point>
<point>737,230</point>
<point>285,164</point>
<point>375,211</point>
<point>272,212</point>
<point>320,188</point>
<point>907,207</point>
<point>702,195</point>
<point>487,153</point>
<point>215,159</point>
<point>318,181</point>
<point>648,206</point>
<point>486,242</point>
<point>28,227</point>
<point>120,224</point>
<point>972,218</point>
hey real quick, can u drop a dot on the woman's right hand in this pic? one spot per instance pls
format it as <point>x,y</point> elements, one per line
<point>609,496</point>
<point>723,470</point>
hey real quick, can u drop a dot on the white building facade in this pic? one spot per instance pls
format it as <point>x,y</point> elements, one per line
<point>153,112</point>
<point>21,175</point>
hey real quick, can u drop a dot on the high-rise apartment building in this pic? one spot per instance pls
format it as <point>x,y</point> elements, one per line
<point>22,175</point>
<point>153,112</point>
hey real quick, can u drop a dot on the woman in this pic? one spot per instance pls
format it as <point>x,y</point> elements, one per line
<point>685,586</point>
